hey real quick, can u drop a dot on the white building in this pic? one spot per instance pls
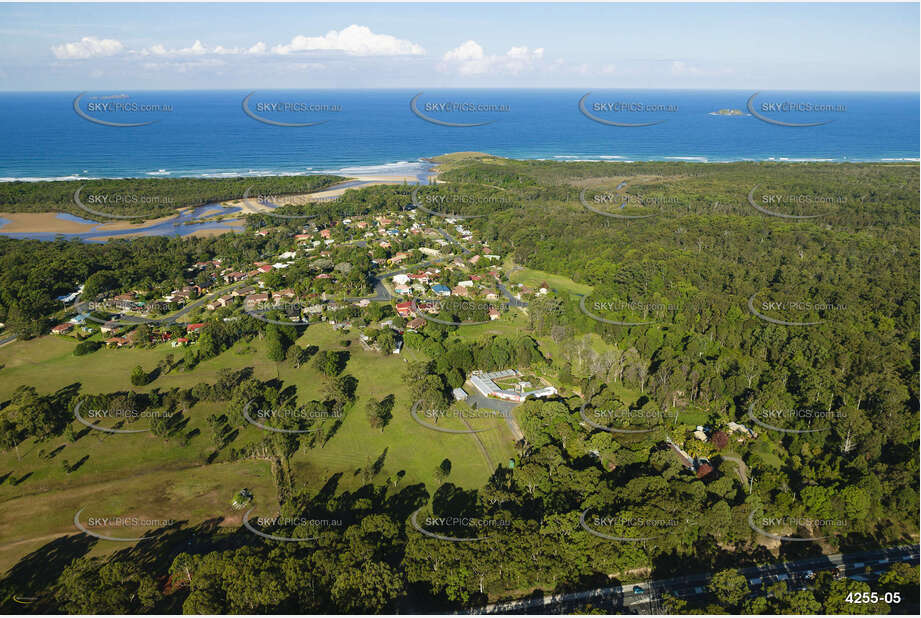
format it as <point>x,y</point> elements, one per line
<point>484,382</point>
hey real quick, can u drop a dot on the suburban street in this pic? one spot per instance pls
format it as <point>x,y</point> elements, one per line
<point>130,320</point>
<point>622,599</point>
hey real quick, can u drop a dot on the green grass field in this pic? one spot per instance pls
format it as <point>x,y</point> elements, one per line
<point>533,279</point>
<point>141,475</point>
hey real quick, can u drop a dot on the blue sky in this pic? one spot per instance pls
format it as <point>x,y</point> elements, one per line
<point>241,46</point>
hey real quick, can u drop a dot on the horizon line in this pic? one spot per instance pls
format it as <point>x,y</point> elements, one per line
<point>414,88</point>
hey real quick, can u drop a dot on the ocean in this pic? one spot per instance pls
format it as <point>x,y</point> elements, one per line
<point>377,132</point>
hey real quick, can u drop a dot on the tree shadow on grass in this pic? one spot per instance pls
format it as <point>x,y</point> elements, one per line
<point>22,478</point>
<point>401,505</point>
<point>449,499</point>
<point>73,467</point>
<point>34,575</point>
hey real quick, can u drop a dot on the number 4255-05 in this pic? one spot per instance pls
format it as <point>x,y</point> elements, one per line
<point>873,597</point>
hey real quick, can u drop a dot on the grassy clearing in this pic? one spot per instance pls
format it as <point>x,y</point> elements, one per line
<point>176,492</point>
<point>141,475</point>
<point>533,279</point>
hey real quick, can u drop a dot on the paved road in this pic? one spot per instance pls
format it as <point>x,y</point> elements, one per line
<point>450,238</point>
<point>6,340</point>
<point>130,320</point>
<point>512,301</point>
<point>623,598</point>
<point>503,407</point>
<point>740,466</point>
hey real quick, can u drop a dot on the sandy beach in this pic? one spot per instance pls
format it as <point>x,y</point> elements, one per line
<point>335,191</point>
<point>202,233</point>
<point>48,222</point>
<point>34,222</point>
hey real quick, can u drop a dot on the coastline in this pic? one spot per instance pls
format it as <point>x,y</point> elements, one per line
<point>355,173</point>
<point>57,222</point>
<point>46,225</point>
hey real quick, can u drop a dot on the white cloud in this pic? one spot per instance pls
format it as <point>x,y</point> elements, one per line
<point>197,49</point>
<point>258,48</point>
<point>469,50</point>
<point>308,66</point>
<point>469,58</point>
<point>683,68</point>
<point>185,66</point>
<point>87,47</point>
<point>226,51</point>
<point>354,40</point>
<point>680,67</point>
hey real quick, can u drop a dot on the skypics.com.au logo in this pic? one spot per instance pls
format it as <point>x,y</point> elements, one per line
<point>87,416</point>
<point>634,312</point>
<point>295,523</point>
<point>294,311</point>
<point>450,525</point>
<point>132,205</point>
<point>646,113</point>
<point>804,206</point>
<point>779,310</point>
<point>268,204</point>
<point>419,412</point>
<point>456,308</point>
<point>133,523</point>
<point>442,198</point>
<point>438,112</point>
<point>629,528</point>
<point>286,419</point>
<point>119,110</point>
<point>625,420</point>
<point>273,111</point>
<point>797,111</point>
<point>813,528</point>
<point>789,420</point>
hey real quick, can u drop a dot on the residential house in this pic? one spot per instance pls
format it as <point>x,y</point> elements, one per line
<point>252,300</point>
<point>80,318</point>
<point>404,309</point>
<point>124,301</point>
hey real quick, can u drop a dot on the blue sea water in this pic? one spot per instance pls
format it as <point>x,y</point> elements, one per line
<point>208,134</point>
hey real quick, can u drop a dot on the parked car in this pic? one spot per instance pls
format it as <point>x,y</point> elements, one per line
<point>638,590</point>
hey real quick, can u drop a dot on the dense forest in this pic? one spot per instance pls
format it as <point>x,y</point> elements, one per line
<point>147,198</point>
<point>668,332</point>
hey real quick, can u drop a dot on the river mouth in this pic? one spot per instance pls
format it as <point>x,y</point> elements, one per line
<point>213,218</point>
<point>48,226</point>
